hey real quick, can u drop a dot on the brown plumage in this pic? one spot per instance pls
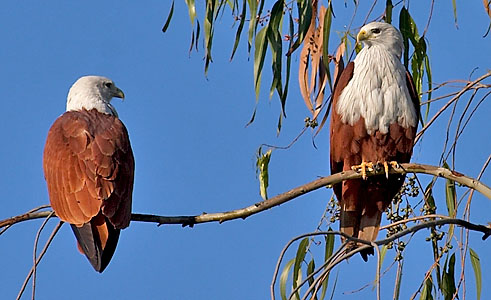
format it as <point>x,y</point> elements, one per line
<point>89,167</point>
<point>363,201</point>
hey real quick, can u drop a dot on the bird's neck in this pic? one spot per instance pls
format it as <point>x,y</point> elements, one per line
<point>78,103</point>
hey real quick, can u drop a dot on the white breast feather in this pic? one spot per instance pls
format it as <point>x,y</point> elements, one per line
<point>377,92</point>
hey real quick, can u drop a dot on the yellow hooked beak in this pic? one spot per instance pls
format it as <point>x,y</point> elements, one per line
<point>119,94</point>
<point>362,35</point>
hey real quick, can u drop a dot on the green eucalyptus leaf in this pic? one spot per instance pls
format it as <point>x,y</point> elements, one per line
<point>259,54</point>
<point>239,29</point>
<point>326,32</point>
<point>426,291</point>
<point>301,252</point>
<point>388,11</point>
<point>169,17</point>
<point>476,266</point>
<point>284,278</point>
<point>262,168</point>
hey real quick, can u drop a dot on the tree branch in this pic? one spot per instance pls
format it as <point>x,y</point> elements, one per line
<point>335,259</point>
<point>284,197</point>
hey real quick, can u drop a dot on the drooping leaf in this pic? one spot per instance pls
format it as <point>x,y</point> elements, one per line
<point>301,252</point>
<point>259,54</point>
<point>169,17</point>
<point>409,32</point>
<point>198,31</point>
<point>208,29</point>
<point>192,16</point>
<point>448,279</point>
<point>304,9</point>
<point>303,67</point>
<point>388,11</point>
<point>275,42</point>
<point>338,69</point>
<point>191,10</point>
<point>476,266</point>
<point>429,78</point>
<point>426,291</point>
<point>329,240</point>
<point>221,4</point>
<point>253,115</point>
<point>239,29</point>
<point>310,270</point>
<point>454,5</point>
<point>397,288</point>
<point>288,68</point>
<point>252,22</point>
<point>262,169</point>
<point>383,252</point>
<point>284,278</point>
<point>429,199</point>
<point>450,195</point>
<point>326,32</point>
<point>318,67</point>
<point>307,60</point>
<point>280,123</point>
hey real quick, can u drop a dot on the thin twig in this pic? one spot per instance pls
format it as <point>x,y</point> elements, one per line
<point>48,242</point>
<point>429,19</point>
<point>460,93</point>
<point>413,219</point>
<point>5,228</point>
<point>366,244</point>
<point>379,266</point>
<point>36,240</point>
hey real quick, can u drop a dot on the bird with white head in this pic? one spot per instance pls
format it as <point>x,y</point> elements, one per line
<point>89,168</point>
<point>373,120</point>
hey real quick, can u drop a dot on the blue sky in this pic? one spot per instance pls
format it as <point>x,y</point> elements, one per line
<point>193,153</point>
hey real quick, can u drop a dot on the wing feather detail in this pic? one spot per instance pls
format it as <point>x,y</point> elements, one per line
<point>88,165</point>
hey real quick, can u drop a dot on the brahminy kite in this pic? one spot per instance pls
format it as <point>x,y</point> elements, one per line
<point>375,114</point>
<point>89,168</point>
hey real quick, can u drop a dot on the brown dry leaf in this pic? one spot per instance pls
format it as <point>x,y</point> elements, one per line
<point>338,68</point>
<point>318,70</point>
<point>303,80</point>
<point>487,7</point>
<point>338,61</point>
<point>302,76</point>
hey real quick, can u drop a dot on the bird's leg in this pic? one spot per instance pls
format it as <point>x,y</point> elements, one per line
<point>393,164</point>
<point>363,168</point>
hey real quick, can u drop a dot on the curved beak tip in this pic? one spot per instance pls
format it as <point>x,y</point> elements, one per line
<point>119,94</point>
<point>362,35</point>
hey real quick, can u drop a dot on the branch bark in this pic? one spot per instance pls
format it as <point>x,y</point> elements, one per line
<point>282,198</point>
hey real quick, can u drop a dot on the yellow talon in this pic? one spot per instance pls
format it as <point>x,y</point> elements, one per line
<point>393,164</point>
<point>363,168</point>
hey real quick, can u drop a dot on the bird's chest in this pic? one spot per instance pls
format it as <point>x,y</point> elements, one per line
<point>378,93</point>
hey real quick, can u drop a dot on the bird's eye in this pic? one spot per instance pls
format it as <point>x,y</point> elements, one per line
<point>376,30</point>
<point>108,84</point>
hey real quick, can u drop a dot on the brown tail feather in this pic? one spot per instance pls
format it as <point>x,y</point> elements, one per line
<point>363,227</point>
<point>369,228</point>
<point>97,240</point>
<point>349,223</point>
